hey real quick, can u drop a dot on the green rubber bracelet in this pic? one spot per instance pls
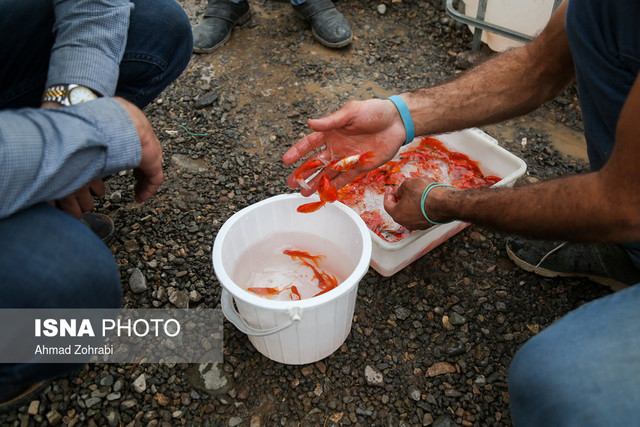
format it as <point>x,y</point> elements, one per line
<point>425,193</point>
<point>405,116</point>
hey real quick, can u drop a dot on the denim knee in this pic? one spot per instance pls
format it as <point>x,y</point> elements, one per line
<point>535,384</point>
<point>159,47</point>
<point>52,260</point>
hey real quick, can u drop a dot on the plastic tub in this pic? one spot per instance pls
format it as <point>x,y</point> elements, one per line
<point>292,332</point>
<point>388,258</point>
<point>528,17</point>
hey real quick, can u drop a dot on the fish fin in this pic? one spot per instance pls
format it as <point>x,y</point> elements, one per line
<point>310,207</point>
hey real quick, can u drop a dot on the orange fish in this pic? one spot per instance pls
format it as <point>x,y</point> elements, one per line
<point>327,193</point>
<point>326,282</point>
<point>295,295</point>
<point>301,255</point>
<point>266,292</point>
<point>351,161</point>
<point>307,166</point>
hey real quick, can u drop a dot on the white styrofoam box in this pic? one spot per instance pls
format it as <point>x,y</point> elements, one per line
<point>388,258</point>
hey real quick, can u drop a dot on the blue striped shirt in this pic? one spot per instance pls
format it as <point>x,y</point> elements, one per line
<point>46,154</point>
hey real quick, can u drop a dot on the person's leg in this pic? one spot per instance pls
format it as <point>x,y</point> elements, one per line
<point>24,48</point>
<point>217,23</point>
<point>583,370</point>
<point>328,25</point>
<point>158,50</point>
<point>51,260</point>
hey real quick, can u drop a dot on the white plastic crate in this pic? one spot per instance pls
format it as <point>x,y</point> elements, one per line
<point>388,258</point>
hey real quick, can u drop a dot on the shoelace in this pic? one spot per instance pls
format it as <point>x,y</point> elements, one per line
<point>560,246</point>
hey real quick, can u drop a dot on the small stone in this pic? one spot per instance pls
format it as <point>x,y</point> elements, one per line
<point>440,368</point>
<point>194,296</point>
<point>115,197</point>
<point>112,417</point>
<point>306,371</point>
<point>456,319</point>
<point>131,246</point>
<point>33,407</point>
<point>235,421</point>
<point>402,313</point>
<point>382,8</point>
<point>128,404</point>
<point>256,421</point>
<point>113,396</point>
<point>106,381</point>
<point>179,299</point>
<point>336,418</point>
<point>137,282</point>
<point>54,417</point>
<point>373,376</point>
<point>414,394</point>
<point>140,384</point>
<point>188,164</point>
<point>92,401</point>
<point>427,420</point>
<point>161,399</point>
<point>446,323</point>
<point>206,100</point>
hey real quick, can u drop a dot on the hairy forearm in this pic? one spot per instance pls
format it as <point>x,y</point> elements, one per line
<point>585,207</point>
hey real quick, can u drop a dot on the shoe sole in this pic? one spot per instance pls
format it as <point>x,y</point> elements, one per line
<point>545,272</point>
<point>243,19</point>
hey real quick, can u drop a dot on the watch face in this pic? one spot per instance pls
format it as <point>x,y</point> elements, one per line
<point>80,94</point>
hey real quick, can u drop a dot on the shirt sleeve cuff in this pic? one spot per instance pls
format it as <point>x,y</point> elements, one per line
<point>86,67</point>
<point>115,124</point>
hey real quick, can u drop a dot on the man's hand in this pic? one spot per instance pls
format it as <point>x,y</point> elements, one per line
<point>358,127</point>
<point>82,200</point>
<point>149,173</point>
<point>404,207</point>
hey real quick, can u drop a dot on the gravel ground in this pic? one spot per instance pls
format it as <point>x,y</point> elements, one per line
<point>430,345</point>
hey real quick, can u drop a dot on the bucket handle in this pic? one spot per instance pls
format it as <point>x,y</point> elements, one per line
<point>231,313</point>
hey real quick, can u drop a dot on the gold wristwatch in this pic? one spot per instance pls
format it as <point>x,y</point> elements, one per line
<point>68,94</point>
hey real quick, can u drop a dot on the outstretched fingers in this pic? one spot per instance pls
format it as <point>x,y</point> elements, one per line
<point>303,147</point>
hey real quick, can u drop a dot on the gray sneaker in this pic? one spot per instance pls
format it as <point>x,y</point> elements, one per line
<point>606,264</point>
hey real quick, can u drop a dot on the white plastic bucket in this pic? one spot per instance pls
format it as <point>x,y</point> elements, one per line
<point>527,17</point>
<point>292,332</point>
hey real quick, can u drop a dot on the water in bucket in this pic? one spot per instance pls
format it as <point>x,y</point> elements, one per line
<point>269,267</point>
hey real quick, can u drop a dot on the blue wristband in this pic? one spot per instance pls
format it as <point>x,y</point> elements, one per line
<point>425,193</point>
<point>405,116</point>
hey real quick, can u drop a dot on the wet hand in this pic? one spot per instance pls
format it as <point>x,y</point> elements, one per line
<point>358,127</point>
<point>148,174</point>
<point>403,204</point>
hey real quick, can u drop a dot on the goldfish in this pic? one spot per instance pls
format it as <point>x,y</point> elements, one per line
<point>327,192</point>
<point>295,295</point>
<point>351,161</point>
<point>266,292</point>
<point>307,166</point>
<point>326,282</point>
<point>301,255</point>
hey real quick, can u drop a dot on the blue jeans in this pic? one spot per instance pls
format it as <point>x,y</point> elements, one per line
<point>49,259</point>
<point>158,50</point>
<point>584,370</point>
